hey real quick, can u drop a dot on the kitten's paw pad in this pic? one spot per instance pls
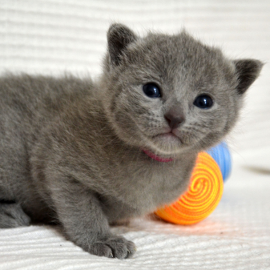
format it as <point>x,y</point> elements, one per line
<point>12,216</point>
<point>114,247</point>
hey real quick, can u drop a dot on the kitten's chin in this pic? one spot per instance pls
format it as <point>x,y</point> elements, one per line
<point>168,139</point>
<point>167,144</point>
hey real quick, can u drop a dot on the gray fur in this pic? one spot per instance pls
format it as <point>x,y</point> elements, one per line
<point>71,149</point>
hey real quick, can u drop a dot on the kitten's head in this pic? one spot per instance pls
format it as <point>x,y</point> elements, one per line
<point>171,93</point>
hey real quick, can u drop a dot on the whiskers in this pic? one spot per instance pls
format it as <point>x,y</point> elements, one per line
<point>191,134</point>
<point>196,127</point>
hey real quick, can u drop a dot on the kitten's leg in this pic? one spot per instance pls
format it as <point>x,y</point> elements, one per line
<point>12,215</point>
<point>81,215</point>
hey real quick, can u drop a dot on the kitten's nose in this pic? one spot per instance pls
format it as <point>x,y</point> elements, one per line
<point>174,117</point>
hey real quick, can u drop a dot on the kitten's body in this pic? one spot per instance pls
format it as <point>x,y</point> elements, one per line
<point>67,112</point>
<point>71,149</point>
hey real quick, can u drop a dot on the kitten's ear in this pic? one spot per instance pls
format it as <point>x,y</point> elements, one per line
<point>247,71</point>
<point>119,37</point>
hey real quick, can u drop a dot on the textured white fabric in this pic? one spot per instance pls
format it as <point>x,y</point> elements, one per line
<point>53,36</point>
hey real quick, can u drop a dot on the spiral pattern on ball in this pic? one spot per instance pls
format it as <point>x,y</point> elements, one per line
<point>202,197</point>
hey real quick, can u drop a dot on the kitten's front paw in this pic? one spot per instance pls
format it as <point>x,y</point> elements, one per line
<point>114,247</point>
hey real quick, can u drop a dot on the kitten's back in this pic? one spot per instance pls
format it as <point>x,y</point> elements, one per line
<point>27,105</point>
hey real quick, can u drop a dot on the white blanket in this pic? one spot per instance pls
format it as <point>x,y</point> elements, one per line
<point>45,36</point>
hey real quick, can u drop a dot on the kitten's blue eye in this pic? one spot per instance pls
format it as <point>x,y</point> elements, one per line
<point>151,90</point>
<point>203,102</point>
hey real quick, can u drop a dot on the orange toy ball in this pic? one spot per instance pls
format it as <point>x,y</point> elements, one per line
<point>202,197</point>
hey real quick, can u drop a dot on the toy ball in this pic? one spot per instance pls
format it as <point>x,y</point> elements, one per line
<point>202,197</point>
<point>222,156</point>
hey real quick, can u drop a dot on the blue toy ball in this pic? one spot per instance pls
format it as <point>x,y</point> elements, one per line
<point>222,156</point>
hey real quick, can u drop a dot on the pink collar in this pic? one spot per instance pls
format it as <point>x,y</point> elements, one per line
<point>155,157</point>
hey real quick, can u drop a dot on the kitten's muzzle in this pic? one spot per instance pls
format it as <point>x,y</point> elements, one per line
<point>174,117</point>
<point>169,137</point>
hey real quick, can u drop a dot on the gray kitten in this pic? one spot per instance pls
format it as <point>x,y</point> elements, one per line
<point>88,154</point>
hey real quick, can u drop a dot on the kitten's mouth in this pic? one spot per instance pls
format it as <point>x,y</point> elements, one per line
<point>168,141</point>
<point>169,137</point>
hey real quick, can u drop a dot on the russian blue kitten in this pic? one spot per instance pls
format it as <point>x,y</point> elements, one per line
<point>88,154</point>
